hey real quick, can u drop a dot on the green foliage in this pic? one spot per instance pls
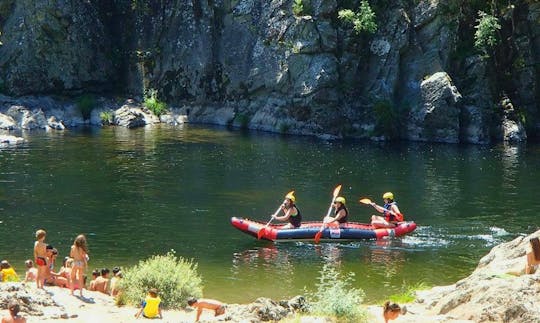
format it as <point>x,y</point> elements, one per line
<point>386,119</point>
<point>336,297</point>
<point>407,294</point>
<point>284,127</point>
<point>363,20</point>
<point>243,119</point>
<point>106,117</point>
<point>297,7</point>
<point>153,104</point>
<point>175,278</point>
<point>485,37</point>
<point>86,103</point>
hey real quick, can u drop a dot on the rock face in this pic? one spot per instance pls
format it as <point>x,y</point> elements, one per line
<point>256,64</point>
<point>497,291</point>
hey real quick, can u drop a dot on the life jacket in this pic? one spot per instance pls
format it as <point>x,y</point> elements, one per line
<point>389,217</point>
<point>343,219</point>
<point>295,219</point>
<point>151,307</point>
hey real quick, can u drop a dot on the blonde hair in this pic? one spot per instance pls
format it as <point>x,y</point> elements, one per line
<point>80,242</point>
<point>40,234</point>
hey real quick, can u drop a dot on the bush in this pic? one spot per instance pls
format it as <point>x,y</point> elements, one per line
<point>86,104</point>
<point>153,104</point>
<point>175,278</point>
<point>408,293</point>
<point>363,20</point>
<point>106,117</point>
<point>336,297</point>
<point>485,36</point>
<point>297,7</point>
<point>387,120</point>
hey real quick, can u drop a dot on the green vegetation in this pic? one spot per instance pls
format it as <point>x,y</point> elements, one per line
<point>153,104</point>
<point>86,103</point>
<point>106,117</point>
<point>336,298</point>
<point>243,119</point>
<point>175,278</point>
<point>485,37</point>
<point>407,294</point>
<point>298,7</point>
<point>284,127</point>
<point>363,20</point>
<point>386,119</point>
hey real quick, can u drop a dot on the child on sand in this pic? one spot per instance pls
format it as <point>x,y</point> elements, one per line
<point>117,275</point>
<point>150,307</point>
<point>13,316</point>
<point>101,284</point>
<point>40,257</point>
<point>95,275</point>
<point>79,253</point>
<point>206,303</point>
<point>391,311</point>
<point>7,273</point>
<point>31,271</point>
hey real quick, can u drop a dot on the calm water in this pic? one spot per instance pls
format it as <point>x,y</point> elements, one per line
<point>136,193</point>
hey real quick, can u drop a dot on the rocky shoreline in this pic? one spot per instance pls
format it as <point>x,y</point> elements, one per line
<point>497,291</point>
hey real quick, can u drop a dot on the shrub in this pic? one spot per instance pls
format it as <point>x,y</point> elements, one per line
<point>153,104</point>
<point>363,20</point>
<point>387,121</point>
<point>408,294</point>
<point>297,7</point>
<point>485,36</point>
<point>85,104</point>
<point>106,117</point>
<point>336,297</point>
<point>175,278</point>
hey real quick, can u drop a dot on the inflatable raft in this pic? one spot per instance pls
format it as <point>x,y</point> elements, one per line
<point>307,231</point>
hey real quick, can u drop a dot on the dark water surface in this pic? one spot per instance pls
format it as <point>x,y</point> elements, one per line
<point>136,193</point>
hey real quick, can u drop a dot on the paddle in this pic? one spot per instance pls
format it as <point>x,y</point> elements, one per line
<point>336,193</point>
<point>262,231</point>
<point>365,200</point>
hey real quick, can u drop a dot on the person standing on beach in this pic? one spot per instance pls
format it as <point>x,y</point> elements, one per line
<point>79,253</point>
<point>40,256</point>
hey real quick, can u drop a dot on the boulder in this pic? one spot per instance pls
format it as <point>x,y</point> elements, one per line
<point>497,290</point>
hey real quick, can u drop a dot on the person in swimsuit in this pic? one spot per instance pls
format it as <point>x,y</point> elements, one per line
<point>79,253</point>
<point>291,213</point>
<point>533,255</point>
<point>31,271</point>
<point>40,256</point>
<point>206,303</point>
<point>13,317</point>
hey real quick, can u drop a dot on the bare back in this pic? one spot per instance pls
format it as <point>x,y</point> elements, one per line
<point>40,249</point>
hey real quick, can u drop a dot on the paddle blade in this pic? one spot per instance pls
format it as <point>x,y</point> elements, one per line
<point>261,233</point>
<point>318,236</point>
<point>336,190</point>
<point>365,201</point>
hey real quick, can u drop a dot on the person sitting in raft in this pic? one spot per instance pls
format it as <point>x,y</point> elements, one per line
<point>341,213</point>
<point>206,303</point>
<point>390,210</point>
<point>291,213</point>
<point>533,255</point>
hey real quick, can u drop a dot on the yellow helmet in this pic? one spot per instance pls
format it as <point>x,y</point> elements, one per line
<point>340,199</point>
<point>291,197</point>
<point>388,195</point>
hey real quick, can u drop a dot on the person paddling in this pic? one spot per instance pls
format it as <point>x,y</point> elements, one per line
<point>390,210</point>
<point>341,213</point>
<point>291,213</point>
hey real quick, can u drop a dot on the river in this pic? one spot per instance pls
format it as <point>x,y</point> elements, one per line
<point>136,193</point>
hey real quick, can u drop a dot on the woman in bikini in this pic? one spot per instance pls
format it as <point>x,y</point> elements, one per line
<point>79,253</point>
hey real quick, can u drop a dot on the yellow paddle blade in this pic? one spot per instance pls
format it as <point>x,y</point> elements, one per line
<point>336,190</point>
<point>365,201</point>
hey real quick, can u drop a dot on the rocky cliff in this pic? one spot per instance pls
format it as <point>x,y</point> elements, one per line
<point>262,65</point>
